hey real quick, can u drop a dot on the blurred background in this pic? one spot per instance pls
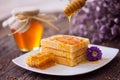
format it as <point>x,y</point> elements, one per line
<point>98,20</point>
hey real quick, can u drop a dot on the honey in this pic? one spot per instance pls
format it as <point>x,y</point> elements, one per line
<point>68,40</point>
<point>30,39</point>
<point>41,60</point>
<point>69,25</point>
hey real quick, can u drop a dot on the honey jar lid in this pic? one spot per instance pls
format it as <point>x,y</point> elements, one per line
<point>27,11</point>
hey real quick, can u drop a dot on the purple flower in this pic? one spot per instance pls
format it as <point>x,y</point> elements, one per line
<point>94,53</point>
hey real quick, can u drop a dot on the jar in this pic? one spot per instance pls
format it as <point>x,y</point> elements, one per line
<point>26,26</point>
<point>27,31</point>
<point>30,39</point>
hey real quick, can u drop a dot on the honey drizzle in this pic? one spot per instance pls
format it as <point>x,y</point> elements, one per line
<point>69,25</point>
<point>96,62</point>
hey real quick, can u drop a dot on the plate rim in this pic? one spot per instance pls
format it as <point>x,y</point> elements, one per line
<point>28,53</point>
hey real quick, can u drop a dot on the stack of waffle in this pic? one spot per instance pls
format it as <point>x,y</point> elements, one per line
<point>68,50</point>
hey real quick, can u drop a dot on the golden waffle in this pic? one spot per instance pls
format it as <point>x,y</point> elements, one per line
<point>65,43</point>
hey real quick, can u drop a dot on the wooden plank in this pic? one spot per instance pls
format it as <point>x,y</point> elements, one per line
<point>6,61</point>
<point>6,45</point>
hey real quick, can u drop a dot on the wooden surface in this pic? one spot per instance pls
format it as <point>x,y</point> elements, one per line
<point>10,71</point>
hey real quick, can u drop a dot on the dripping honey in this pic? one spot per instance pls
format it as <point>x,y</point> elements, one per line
<point>30,39</point>
<point>69,25</point>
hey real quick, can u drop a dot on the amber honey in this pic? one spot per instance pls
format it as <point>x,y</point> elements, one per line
<point>30,39</point>
<point>69,25</point>
<point>68,40</point>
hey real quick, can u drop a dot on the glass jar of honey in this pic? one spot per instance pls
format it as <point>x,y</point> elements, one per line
<point>30,39</point>
<point>26,26</point>
<point>27,31</point>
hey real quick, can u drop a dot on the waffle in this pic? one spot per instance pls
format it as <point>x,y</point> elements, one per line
<point>68,50</point>
<point>65,43</point>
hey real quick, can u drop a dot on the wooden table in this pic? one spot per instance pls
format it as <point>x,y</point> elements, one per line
<point>10,71</point>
